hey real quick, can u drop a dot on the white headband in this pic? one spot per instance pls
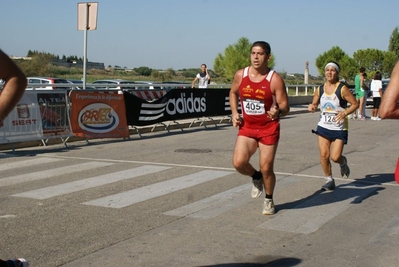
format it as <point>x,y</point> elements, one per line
<point>332,64</point>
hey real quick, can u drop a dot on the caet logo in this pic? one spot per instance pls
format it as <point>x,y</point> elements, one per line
<point>185,104</point>
<point>98,118</point>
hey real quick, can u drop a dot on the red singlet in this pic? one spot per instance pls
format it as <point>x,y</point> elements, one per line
<point>256,99</point>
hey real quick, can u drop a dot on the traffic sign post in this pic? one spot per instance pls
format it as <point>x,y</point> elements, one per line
<point>87,20</point>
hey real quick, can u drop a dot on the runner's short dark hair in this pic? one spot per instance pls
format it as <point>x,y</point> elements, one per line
<point>264,45</point>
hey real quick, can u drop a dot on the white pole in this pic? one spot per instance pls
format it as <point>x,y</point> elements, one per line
<point>85,44</point>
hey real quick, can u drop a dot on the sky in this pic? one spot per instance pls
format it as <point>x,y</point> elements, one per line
<point>181,34</point>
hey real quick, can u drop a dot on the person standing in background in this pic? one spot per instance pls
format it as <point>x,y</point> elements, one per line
<point>13,89</point>
<point>203,78</point>
<point>360,88</point>
<point>376,90</point>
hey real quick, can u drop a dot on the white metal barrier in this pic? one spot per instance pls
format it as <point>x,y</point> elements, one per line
<point>39,115</point>
<point>299,89</point>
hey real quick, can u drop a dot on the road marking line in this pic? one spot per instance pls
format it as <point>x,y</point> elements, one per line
<point>215,205</point>
<point>33,176</point>
<point>144,162</point>
<point>137,195</point>
<point>75,186</point>
<point>310,215</point>
<point>26,163</point>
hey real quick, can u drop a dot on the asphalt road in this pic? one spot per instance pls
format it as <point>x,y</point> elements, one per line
<point>173,199</point>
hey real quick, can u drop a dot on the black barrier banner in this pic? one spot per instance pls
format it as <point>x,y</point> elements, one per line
<point>177,105</point>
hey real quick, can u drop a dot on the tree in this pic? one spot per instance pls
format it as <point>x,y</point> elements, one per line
<point>389,62</point>
<point>235,57</point>
<point>38,66</point>
<point>394,42</point>
<point>370,59</point>
<point>144,71</point>
<point>348,67</point>
<point>162,76</point>
<point>374,60</point>
<point>190,73</point>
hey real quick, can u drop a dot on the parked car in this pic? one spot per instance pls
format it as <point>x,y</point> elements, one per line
<point>369,100</point>
<point>113,84</point>
<point>151,85</point>
<point>79,85</point>
<point>175,85</point>
<point>351,88</point>
<point>45,81</point>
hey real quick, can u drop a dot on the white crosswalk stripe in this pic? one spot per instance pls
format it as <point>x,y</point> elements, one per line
<point>155,190</point>
<point>26,163</point>
<point>389,234</point>
<point>79,185</point>
<point>33,176</point>
<point>215,205</point>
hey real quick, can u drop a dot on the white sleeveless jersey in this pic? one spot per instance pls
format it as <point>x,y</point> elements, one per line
<point>330,105</point>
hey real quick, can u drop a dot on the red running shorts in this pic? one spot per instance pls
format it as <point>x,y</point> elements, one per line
<point>267,135</point>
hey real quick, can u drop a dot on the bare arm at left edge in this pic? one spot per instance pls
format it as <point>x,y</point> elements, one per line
<point>14,85</point>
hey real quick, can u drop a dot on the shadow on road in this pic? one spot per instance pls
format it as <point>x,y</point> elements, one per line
<point>358,190</point>
<point>286,262</point>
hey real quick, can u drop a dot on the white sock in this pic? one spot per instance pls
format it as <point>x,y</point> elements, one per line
<point>329,178</point>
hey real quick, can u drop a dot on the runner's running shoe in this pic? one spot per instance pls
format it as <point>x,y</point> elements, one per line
<point>329,185</point>
<point>257,188</point>
<point>345,171</point>
<point>268,207</point>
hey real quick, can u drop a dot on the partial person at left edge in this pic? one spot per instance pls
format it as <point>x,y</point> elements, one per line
<point>14,85</point>
<point>13,88</point>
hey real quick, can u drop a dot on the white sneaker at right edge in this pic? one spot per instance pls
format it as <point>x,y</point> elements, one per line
<point>268,207</point>
<point>20,262</point>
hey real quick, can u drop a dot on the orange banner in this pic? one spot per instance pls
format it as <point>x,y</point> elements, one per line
<point>98,114</point>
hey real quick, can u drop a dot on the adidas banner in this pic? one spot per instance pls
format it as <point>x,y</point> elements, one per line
<point>176,105</point>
